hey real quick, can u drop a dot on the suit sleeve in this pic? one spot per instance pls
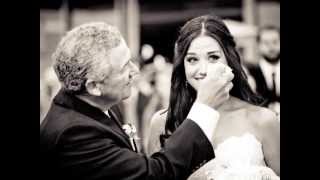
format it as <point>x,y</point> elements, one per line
<point>88,153</point>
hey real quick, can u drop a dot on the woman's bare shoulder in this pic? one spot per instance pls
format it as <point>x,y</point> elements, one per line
<point>261,115</point>
<point>262,119</point>
<point>157,127</point>
<point>159,119</point>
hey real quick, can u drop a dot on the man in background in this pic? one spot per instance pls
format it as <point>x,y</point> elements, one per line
<point>267,72</point>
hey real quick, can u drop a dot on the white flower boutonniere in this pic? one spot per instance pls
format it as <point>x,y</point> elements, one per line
<point>131,131</point>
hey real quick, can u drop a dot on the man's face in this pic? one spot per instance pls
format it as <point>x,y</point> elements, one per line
<point>117,86</point>
<point>269,44</point>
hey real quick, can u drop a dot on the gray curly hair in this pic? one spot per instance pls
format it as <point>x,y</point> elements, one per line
<point>81,51</point>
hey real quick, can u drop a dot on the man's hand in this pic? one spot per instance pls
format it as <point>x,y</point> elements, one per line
<point>215,87</point>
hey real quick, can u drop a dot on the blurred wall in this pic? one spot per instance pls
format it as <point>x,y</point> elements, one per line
<point>268,13</point>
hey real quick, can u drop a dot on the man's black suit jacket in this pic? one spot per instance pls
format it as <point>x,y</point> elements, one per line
<point>262,89</point>
<point>78,141</point>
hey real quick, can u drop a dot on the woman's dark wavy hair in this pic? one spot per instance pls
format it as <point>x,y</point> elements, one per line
<point>182,95</point>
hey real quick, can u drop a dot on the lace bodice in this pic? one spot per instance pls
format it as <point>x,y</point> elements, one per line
<point>236,156</point>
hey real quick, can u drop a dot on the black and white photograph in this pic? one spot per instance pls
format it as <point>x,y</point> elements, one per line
<point>160,89</point>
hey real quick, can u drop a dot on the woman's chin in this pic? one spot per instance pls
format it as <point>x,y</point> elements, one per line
<point>195,85</point>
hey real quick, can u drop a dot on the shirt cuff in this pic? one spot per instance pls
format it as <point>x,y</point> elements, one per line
<point>205,117</point>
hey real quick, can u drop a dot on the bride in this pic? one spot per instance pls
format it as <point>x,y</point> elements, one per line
<point>247,138</point>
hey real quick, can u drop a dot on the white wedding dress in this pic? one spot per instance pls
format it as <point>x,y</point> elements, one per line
<point>237,158</point>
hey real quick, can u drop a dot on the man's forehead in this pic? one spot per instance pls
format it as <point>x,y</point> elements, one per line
<point>120,55</point>
<point>270,34</point>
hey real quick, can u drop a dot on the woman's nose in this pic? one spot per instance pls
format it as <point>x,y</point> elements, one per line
<point>203,66</point>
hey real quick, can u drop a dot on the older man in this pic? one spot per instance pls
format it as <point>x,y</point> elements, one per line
<point>81,136</point>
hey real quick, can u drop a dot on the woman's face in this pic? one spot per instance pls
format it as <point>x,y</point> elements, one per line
<point>204,52</point>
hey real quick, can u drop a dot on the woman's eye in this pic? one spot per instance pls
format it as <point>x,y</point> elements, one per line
<point>213,58</point>
<point>192,59</point>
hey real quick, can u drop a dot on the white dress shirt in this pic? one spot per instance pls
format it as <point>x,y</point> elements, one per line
<point>205,117</point>
<point>107,113</point>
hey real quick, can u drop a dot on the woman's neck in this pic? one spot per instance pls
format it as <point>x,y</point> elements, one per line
<point>231,104</point>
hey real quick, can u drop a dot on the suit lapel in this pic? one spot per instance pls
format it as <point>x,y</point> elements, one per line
<point>68,100</point>
<point>115,124</point>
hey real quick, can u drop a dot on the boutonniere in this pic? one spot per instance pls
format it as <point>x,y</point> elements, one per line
<point>131,131</point>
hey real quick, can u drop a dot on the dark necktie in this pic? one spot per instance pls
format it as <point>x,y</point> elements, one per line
<point>274,84</point>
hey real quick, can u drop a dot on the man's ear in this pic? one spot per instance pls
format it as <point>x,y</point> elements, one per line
<point>93,88</point>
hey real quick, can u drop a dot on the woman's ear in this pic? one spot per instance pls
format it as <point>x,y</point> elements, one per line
<point>93,88</point>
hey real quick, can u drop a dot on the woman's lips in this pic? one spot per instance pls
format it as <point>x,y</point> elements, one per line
<point>199,78</point>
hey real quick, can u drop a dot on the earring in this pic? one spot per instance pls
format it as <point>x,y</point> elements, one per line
<point>186,83</point>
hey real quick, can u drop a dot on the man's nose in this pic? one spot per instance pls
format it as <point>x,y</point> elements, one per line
<point>134,71</point>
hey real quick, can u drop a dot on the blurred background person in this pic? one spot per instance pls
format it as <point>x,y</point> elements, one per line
<point>159,98</point>
<point>49,86</point>
<point>267,72</point>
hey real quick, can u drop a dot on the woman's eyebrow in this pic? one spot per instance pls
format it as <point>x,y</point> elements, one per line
<point>214,52</point>
<point>191,53</point>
